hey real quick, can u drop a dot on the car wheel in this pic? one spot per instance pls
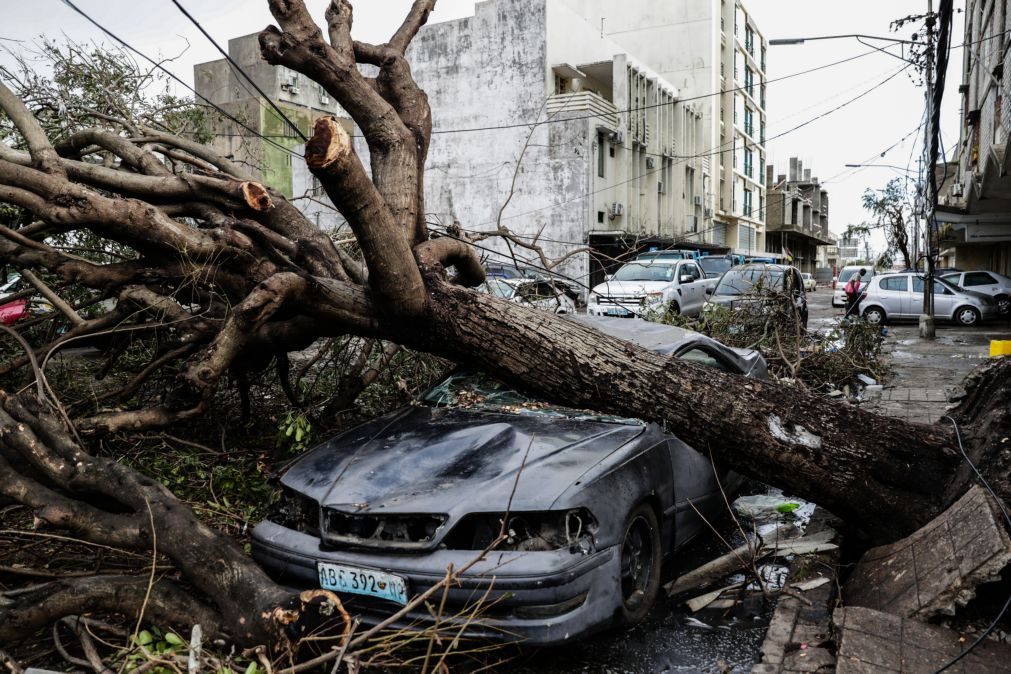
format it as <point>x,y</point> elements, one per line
<point>640,565</point>
<point>672,310</point>
<point>967,316</point>
<point>875,315</point>
<point>1003,304</point>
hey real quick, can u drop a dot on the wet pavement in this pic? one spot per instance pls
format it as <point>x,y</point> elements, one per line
<point>672,638</point>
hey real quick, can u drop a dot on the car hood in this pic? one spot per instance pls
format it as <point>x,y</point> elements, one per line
<point>630,288</point>
<point>424,459</point>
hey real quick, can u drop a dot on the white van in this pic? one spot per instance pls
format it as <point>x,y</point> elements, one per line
<point>839,295</point>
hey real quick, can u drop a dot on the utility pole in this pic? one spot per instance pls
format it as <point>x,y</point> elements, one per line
<point>927,317</point>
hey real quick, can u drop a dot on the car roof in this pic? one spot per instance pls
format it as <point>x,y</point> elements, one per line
<point>763,265</point>
<point>668,339</point>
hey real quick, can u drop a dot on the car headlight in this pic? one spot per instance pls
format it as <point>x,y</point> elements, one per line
<point>593,298</point>
<point>295,511</point>
<point>653,298</point>
<point>526,531</point>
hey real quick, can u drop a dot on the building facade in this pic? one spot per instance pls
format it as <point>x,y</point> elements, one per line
<point>796,219</point>
<point>973,228</point>
<point>269,155</point>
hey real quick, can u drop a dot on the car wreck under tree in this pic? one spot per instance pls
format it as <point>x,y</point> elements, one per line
<point>263,280</point>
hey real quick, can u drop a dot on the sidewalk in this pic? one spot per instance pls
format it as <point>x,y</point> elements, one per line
<point>926,374</point>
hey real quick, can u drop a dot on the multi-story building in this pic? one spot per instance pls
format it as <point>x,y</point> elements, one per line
<point>269,154</point>
<point>848,249</point>
<point>974,213</point>
<point>796,219</point>
<point>618,125</point>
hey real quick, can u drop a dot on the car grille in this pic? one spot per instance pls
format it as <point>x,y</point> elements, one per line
<point>380,531</point>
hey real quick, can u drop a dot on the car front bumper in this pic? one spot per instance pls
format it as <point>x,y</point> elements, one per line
<point>539,598</point>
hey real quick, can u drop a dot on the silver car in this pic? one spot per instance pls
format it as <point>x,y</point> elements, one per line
<point>898,296</point>
<point>990,283</point>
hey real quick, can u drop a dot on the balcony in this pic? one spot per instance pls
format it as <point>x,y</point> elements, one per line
<point>584,102</point>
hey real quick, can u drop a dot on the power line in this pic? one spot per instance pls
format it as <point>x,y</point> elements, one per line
<point>174,77</point>
<point>240,71</point>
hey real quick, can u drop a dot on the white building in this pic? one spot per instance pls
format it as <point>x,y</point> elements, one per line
<point>618,125</point>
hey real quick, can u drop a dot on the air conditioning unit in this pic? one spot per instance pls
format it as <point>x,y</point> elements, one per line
<point>616,209</point>
<point>708,213</point>
<point>956,189</point>
<point>324,99</point>
<point>698,199</point>
<point>616,137</point>
<point>293,90</point>
<point>650,163</point>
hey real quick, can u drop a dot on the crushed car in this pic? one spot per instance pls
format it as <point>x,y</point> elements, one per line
<point>379,512</point>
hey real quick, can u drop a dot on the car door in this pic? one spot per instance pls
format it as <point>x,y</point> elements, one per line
<point>893,294</point>
<point>981,282</point>
<point>695,289</point>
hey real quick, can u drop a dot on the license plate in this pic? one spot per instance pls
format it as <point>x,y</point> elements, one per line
<point>355,580</point>
<point>617,312</point>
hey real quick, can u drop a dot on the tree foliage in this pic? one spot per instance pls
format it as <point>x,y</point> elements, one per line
<point>892,214</point>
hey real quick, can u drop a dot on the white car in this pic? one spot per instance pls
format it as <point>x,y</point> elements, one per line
<point>539,293</point>
<point>810,284</point>
<point>839,295</point>
<point>989,283</point>
<point>646,287</point>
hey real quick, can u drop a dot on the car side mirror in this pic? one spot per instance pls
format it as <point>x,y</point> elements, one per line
<point>709,291</point>
<point>686,278</point>
<point>608,277</point>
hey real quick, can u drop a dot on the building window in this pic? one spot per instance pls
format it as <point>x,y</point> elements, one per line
<point>747,202</point>
<point>761,208</point>
<point>749,40</point>
<point>749,118</point>
<point>763,58</point>
<point>763,96</point>
<point>747,163</point>
<point>600,217</point>
<point>749,81</point>
<point>601,144</point>
<point>761,132</point>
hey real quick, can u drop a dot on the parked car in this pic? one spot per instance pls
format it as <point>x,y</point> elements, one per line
<point>810,284</point>
<point>540,293</point>
<point>759,286</point>
<point>838,294</point>
<point>642,287</point>
<point>900,296</point>
<point>378,512</point>
<point>714,267</point>
<point>990,283</point>
<point>18,309</point>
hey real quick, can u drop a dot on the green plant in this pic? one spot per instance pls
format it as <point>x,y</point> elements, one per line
<point>294,432</point>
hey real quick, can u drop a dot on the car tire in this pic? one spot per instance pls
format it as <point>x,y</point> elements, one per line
<point>1003,303</point>
<point>875,315</point>
<point>672,310</point>
<point>639,565</point>
<point>966,316</point>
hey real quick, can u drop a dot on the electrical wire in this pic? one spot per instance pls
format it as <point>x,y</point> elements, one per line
<point>1007,518</point>
<point>240,71</point>
<point>162,68</point>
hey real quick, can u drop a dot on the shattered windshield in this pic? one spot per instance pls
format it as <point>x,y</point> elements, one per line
<point>749,281</point>
<point>469,389</point>
<point>657,271</point>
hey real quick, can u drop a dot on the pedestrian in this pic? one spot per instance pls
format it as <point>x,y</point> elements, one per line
<point>853,293</point>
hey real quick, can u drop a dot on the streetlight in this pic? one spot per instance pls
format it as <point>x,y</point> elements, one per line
<point>891,166</point>
<point>802,40</point>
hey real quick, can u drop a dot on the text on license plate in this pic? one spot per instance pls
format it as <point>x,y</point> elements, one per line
<point>618,312</point>
<point>355,580</point>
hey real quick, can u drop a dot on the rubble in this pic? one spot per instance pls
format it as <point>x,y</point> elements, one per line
<point>938,567</point>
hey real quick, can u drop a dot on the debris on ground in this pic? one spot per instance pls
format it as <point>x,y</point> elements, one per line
<point>937,568</point>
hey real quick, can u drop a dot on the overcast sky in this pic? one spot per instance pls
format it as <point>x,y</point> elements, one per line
<point>857,133</point>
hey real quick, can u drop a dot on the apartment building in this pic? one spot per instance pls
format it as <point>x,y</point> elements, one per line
<point>974,214</point>
<point>796,217</point>
<point>301,100</point>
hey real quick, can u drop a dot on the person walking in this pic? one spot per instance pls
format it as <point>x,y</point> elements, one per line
<point>853,292</point>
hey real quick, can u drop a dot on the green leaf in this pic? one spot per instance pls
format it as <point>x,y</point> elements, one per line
<point>786,508</point>
<point>174,639</point>
<point>144,638</point>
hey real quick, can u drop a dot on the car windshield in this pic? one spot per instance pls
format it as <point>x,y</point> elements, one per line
<point>749,281</point>
<point>845,274</point>
<point>471,389</point>
<point>645,272</point>
<point>715,265</point>
<point>498,288</point>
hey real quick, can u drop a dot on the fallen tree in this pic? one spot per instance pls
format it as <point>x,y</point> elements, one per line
<point>222,270</point>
